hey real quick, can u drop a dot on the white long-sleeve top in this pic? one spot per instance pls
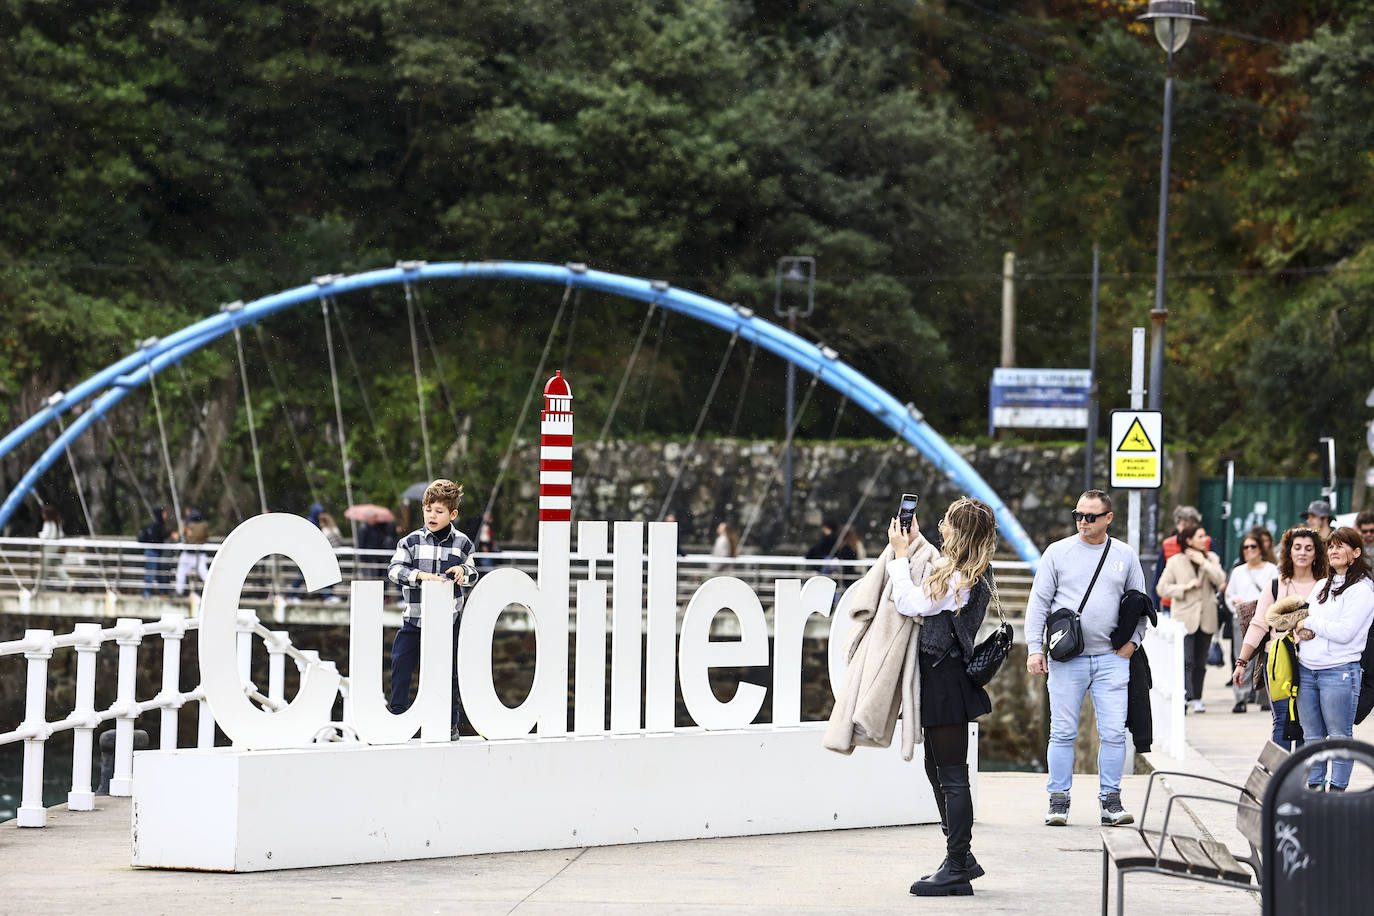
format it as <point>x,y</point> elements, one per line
<point>1246,584</point>
<point>1341,623</point>
<point>912,600</point>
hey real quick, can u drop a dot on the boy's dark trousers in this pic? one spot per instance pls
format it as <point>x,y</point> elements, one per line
<point>405,658</point>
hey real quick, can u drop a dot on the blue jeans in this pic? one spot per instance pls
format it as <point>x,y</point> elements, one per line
<point>1106,678</point>
<point>405,658</point>
<point>1326,708</point>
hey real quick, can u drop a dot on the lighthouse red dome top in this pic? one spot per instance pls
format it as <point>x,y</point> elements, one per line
<point>557,387</point>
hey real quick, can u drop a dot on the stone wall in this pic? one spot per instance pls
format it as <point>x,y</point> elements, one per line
<point>737,480</point>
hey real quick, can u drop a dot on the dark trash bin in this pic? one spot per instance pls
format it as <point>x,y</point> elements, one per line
<point>1317,844</point>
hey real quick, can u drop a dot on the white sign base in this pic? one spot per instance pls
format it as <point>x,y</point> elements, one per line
<point>235,810</point>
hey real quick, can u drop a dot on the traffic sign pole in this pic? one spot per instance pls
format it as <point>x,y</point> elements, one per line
<point>1137,402</point>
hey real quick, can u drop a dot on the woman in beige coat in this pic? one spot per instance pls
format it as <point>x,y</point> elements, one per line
<point>1191,579</point>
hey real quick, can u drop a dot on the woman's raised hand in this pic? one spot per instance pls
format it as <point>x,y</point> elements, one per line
<point>899,539</point>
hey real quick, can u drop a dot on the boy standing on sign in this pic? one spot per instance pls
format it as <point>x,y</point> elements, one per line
<point>435,552</point>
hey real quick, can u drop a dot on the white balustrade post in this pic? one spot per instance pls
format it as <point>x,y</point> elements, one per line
<point>122,783</point>
<point>81,798</point>
<point>244,625</point>
<point>205,725</point>
<point>31,810</point>
<point>276,664</point>
<point>171,677</point>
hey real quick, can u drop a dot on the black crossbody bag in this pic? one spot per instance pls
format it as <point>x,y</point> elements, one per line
<point>1064,629</point>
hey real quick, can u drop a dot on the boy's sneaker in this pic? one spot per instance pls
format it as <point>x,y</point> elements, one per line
<point>1113,815</point>
<point>1059,810</point>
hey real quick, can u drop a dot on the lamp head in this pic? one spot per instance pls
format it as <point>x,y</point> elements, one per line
<point>1173,20</point>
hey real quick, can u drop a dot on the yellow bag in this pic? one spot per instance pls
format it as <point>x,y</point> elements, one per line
<point>1282,668</point>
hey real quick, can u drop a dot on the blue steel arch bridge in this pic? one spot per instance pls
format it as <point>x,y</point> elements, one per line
<point>72,413</point>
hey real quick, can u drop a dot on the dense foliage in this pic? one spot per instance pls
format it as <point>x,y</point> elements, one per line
<point>159,157</point>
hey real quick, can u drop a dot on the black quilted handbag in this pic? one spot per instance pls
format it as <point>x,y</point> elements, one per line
<point>989,654</point>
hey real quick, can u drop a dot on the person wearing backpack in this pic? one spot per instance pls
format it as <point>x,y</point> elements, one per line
<point>1330,642</point>
<point>1302,564</point>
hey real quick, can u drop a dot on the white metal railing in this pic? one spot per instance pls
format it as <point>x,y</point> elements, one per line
<point>1164,645</point>
<point>86,639</point>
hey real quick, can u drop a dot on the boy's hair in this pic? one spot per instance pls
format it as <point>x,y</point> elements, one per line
<point>443,491</point>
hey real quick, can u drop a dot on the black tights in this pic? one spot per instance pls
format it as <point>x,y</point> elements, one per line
<point>946,745</point>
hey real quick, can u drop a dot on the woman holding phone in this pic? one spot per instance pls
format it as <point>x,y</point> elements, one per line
<point>952,600</point>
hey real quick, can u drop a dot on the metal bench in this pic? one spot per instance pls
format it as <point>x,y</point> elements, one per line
<point>1137,849</point>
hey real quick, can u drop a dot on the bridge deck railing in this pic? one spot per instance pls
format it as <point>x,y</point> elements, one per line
<point>123,568</point>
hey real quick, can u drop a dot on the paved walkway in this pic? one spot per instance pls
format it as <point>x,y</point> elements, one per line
<point>81,861</point>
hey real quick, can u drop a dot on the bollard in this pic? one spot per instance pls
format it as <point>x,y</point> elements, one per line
<point>107,756</point>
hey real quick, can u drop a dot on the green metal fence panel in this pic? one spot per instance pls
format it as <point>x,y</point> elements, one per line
<point>1277,503</point>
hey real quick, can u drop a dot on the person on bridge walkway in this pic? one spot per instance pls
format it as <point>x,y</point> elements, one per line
<point>1065,575</point>
<point>196,531</point>
<point>952,600</point>
<point>435,552</point>
<point>155,570</point>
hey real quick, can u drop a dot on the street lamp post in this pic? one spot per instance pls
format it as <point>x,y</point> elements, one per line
<point>1173,21</point>
<point>792,269</point>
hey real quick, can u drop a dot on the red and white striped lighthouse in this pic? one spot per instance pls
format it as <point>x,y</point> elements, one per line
<point>555,451</point>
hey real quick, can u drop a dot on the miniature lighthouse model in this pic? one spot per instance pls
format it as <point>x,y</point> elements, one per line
<point>555,451</point>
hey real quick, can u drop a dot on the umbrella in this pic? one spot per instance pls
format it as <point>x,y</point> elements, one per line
<point>368,512</point>
<point>415,490</point>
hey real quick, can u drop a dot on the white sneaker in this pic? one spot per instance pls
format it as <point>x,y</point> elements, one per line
<point>1196,706</point>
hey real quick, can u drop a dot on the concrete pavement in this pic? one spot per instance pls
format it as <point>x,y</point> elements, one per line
<point>80,861</point>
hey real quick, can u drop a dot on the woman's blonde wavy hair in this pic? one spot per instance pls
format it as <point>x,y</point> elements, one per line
<point>970,537</point>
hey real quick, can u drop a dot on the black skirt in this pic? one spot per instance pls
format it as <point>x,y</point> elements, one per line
<point>948,697</point>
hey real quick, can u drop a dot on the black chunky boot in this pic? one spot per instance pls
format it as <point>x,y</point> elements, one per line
<point>953,877</point>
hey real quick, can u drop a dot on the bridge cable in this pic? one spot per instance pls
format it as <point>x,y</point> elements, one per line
<point>338,416</point>
<point>777,464</point>
<point>367,402</point>
<point>133,478</point>
<point>572,327</point>
<point>438,365</point>
<point>524,408</point>
<point>162,435</point>
<point>419,387</point>
<point>743,389</point>
<point>696,430</point>
<point>863,496</point>
<point>198,409</point>
<point>649,375</point>
<point>839,414</point>
<point>85,508</point>
<point>587,480</point>
<point>286,415</point>
<point>252,428</point>
<point>722,480</point>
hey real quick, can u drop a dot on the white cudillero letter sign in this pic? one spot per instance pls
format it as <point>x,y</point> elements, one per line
<point>276,799</point>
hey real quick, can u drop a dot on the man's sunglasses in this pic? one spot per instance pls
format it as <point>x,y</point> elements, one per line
<point>1367,531</point>
<point>1089,517</point>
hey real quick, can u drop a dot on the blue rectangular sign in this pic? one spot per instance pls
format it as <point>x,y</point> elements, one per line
<point>1039,398</point>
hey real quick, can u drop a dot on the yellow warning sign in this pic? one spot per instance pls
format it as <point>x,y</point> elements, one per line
<point>1126,467</point>
<point>1135,440</point>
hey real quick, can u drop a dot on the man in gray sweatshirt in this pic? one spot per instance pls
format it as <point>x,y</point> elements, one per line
<point>1061,580</point>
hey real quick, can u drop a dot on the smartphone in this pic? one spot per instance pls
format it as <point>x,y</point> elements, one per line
<point>907,510</point>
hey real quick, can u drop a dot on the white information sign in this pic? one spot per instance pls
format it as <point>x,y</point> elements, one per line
<point>1137,449</point>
